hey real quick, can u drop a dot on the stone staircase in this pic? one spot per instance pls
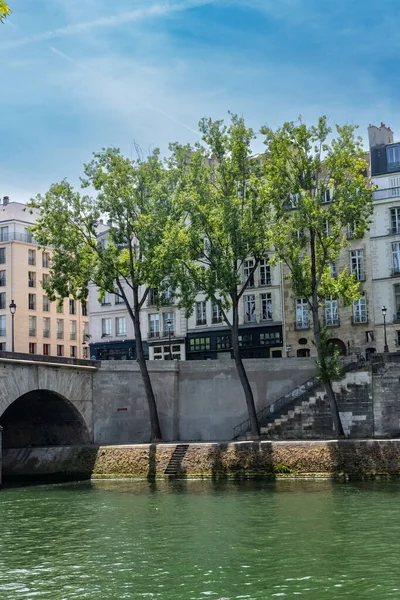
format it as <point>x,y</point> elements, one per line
<point>303,413</point>
<point>175,463</point>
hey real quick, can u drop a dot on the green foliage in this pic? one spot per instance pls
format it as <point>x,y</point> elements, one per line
<point>304,165</point>
<point>4,10</point>
<point>133,197</point>
<point>280,468</point>
<point>220,213</point>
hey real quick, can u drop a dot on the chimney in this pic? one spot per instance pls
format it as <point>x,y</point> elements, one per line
<point>101,222</point>
<point>6,200</point>
<point>109,223</point>
<point>380,136</point>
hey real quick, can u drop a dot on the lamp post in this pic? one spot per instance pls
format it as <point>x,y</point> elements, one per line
<point>169,323</point>
<point>13,308</point>
<point>384,311</point>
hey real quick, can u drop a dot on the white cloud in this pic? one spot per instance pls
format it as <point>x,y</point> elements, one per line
<point>139,14</point>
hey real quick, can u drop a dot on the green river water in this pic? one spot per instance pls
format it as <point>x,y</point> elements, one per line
<point>194,540</point>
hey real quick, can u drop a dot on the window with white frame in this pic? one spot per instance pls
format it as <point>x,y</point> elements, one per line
<point>247,272</point>
<point>60,329</point>
<point>72,330</point>
<point>201,314</point>
<point>332,269</point>
<point>120,326</point>
<point>357,264</point>
<point>302,313</point>
<point>326,196</point>
<point>106,300</point>
<point>397,302</point>
<point>265,272</point>
<point>216,313</point>
<point>395,220</point>
<point>331,312</point>
<point>162,352</point>
<point>105,327</point>
<point>168,323</point>
<point>327,227</point>
<point>154,325</point>
<point>266,307</point>
<point>393,157</point>
<point>396,257</point>
<point>360,310</point>
<point>249,308</point>
<point>3,320</point>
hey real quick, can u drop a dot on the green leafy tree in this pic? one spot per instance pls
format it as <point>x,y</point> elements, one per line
<point>134,197</point>
<point>4,10</point>
<point>221,219</point>
<point>319,188</point>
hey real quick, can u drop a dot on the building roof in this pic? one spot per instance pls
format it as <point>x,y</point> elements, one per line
<point>17,211</point>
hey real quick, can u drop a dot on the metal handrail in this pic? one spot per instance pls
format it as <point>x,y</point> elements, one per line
<point>285,400</point>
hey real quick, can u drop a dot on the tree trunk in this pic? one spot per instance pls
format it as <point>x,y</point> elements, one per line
<point>337,423</point>
<point>248,392</point>
<point>156,435</point>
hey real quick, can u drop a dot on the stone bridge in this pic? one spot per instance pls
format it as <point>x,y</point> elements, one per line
<point>49,401</point>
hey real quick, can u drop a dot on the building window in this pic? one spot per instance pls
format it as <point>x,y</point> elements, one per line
<point>84,308</point>
<point>32,301</point>
<point>216,313</point>
<point>270,338</point>
<point>246,339</point>
<point>60,350</point>
<point>46,349</point>
<point>162,352</point>
<point>105,327</point>
<point>266,307</point>
<point>46,304</point>
<point>32,326</point>
<point>357,264</point>
<point>60,306</point>
<point>60,329</point>
<point>85,332</point>
<point>397,302</point>
<point>31,257</point>
<point>2,278</point>
<point>45,279</point>
<point>106,301</point>
<point>332,270</point>
<point>360,310</point>
<point>119,300</point>
<point>200,343</point>
<point>302,313</point>
<point>247,273</point>
<point>326,196</point>
<point>249,308</point>
<point>201,315</point>
<point>46,327</point>
<point>327,227</point>
<point>154,325</point>
<point>31,279</point>
<point>4,234</point>
<point>265,272</point>
<point>72,307</point>
<point>3,346</point>
<point>331,312</point>
<point>393,157</point>
<point>45,260</point>
<point>169,316</point>
<point>3,330</point>
<point>395,220</point>
<point>152,297</point>
<point>32,348</point>
<point>72,351</point>
<point>86,353</point>
<point>2,300</point>
<point>395,258</point>
<point>2,256</point>
<point>72,330</point>
<point>120,326</point>
<point>223,342</point>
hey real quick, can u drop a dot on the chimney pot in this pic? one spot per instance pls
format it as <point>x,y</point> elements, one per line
<point>6,200</point>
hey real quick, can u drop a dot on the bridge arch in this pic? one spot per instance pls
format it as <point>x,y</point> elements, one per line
<point>43,417</point>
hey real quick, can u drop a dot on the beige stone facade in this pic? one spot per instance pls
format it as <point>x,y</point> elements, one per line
<point>40,327</point>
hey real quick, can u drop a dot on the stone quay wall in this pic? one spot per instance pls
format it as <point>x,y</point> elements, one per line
<point>352,459</point>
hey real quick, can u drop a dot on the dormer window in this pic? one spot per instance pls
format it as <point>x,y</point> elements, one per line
<point>393,157</point>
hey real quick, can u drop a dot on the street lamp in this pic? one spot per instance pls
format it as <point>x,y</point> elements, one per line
<point>169,324</point>
<point>13,308</point>
<point>384,311</point>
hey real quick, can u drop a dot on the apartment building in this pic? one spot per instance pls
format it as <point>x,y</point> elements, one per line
<point>40,326</point>
<point>385,236</point>
<point>260,319</point>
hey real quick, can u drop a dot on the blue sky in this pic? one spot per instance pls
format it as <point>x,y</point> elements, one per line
<point>77,75</point>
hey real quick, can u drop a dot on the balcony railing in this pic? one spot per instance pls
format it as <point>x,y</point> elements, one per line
<point>31,283</point>
<point>201,321</point>
<point>302,324</point>
<point>32,331</point>
<point>394,229</point>
<point>3,332</point>
<point>154,334</point>
<point>60,335</point>
<point>395,271</point>
<point>17,237</point>
<point>168,333</point>
<point>46,333</point>
<point>72,335</point>
<point>386,193</point>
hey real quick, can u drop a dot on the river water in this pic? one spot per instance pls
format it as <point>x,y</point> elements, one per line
<point>195,540</point>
